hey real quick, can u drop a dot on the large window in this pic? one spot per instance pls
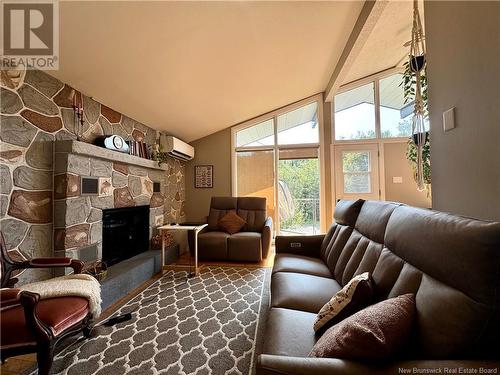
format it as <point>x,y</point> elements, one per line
<point>373,110</point>
<point>395,115</point>
<point>261,134</point>
<point>285,171</point>
<point>299,126</point>
<point>355,114</point>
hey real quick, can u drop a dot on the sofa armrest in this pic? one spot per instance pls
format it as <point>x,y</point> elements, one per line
<point>267,237</point>
<point>276,364</point>
<point>299,245</point>
<point>268,364</point>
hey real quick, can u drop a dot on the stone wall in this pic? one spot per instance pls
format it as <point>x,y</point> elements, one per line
<point>36,110</point>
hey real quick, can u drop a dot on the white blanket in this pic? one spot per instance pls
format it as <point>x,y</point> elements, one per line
<point>79,285</point>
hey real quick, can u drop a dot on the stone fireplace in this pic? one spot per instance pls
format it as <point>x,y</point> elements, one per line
<point>124,181</point>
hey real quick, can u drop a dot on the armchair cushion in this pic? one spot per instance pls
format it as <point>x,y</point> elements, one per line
<point>57,313</point>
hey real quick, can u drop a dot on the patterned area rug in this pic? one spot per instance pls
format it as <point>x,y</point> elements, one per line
<point>205,325</point>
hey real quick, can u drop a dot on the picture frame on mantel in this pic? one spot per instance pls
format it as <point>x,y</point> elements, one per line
<point>203,176</point>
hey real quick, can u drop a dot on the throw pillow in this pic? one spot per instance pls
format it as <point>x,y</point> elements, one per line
<point>354,296</point>
<point>231,223</point>
<point>374,333</point>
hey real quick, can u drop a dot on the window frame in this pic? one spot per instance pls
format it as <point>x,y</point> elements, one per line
<point>375,79</point>
<point>318,98</point>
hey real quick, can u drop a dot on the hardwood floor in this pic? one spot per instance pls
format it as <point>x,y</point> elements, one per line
<point>18,365</point>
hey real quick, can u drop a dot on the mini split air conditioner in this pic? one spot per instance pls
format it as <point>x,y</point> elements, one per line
<point>176,148</point>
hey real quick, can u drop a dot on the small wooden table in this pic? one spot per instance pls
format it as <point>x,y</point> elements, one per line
<point>196,228</point>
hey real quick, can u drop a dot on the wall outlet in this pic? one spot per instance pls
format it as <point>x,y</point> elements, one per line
<point>397,180</point>
<point>449,119</point>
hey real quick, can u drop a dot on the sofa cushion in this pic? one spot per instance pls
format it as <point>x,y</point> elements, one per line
<point>286,262</point>
<point>231,223</point>
<point>245,246</point>
<point>212,245</point>
<point>374,333</point>
<point>289,332</point>
<point>356,295</point>
<point>58,313</point>
<point>253,211</point>
<point>219,206</point>
<point>301,292</point>
<point>346,212</point>
<point>373,217</point>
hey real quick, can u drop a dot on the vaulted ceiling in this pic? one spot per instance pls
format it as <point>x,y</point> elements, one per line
<point>385,45</point>
<point>193,68</point>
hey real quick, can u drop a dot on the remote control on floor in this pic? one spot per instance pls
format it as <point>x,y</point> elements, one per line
<point>118,319</point>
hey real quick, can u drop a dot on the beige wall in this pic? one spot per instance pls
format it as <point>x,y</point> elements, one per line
<point>215,150</point>
<point>396,165</point>
<point>464,72</point>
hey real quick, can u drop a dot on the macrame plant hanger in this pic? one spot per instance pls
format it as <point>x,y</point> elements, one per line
<point>417,65</point>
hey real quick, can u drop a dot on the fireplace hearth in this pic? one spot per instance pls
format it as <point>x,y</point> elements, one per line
<point>125,233</point>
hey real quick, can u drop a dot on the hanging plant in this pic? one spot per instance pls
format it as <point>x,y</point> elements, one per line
<point>415,91</point>
<point>408,84</point>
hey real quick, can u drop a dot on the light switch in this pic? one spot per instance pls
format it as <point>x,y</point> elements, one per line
<point>397,180</point>
<point>449,119</point>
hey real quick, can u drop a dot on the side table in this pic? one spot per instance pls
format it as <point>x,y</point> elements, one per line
<point>196,228</point>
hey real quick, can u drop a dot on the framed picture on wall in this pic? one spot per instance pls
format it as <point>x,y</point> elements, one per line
<point>203,176</point>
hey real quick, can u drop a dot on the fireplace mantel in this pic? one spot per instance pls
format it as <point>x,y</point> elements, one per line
<point>87,149</point>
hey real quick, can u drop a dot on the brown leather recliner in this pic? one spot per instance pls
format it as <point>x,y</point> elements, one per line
<point>451,264</point>
<point>251,244</point>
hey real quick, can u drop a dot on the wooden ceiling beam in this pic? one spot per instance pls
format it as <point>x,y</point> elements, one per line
<point>367,19</point>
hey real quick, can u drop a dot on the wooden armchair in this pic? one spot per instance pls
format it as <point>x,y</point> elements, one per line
<point>31,325</point>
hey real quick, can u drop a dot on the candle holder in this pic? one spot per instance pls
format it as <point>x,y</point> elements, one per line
<point>78,115</point>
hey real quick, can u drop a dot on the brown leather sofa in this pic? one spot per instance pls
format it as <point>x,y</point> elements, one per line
<point>251,244</point>
<point>451,263</point>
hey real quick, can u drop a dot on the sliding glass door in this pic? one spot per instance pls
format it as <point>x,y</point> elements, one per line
<point>277,157</point>
<point>298,191</point>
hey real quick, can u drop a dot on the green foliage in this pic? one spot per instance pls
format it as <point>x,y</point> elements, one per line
<point>160,157</point>
<point>409,83</point>
<point>302,178</point>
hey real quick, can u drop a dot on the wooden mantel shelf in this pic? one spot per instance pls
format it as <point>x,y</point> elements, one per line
<point>82,148</point>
